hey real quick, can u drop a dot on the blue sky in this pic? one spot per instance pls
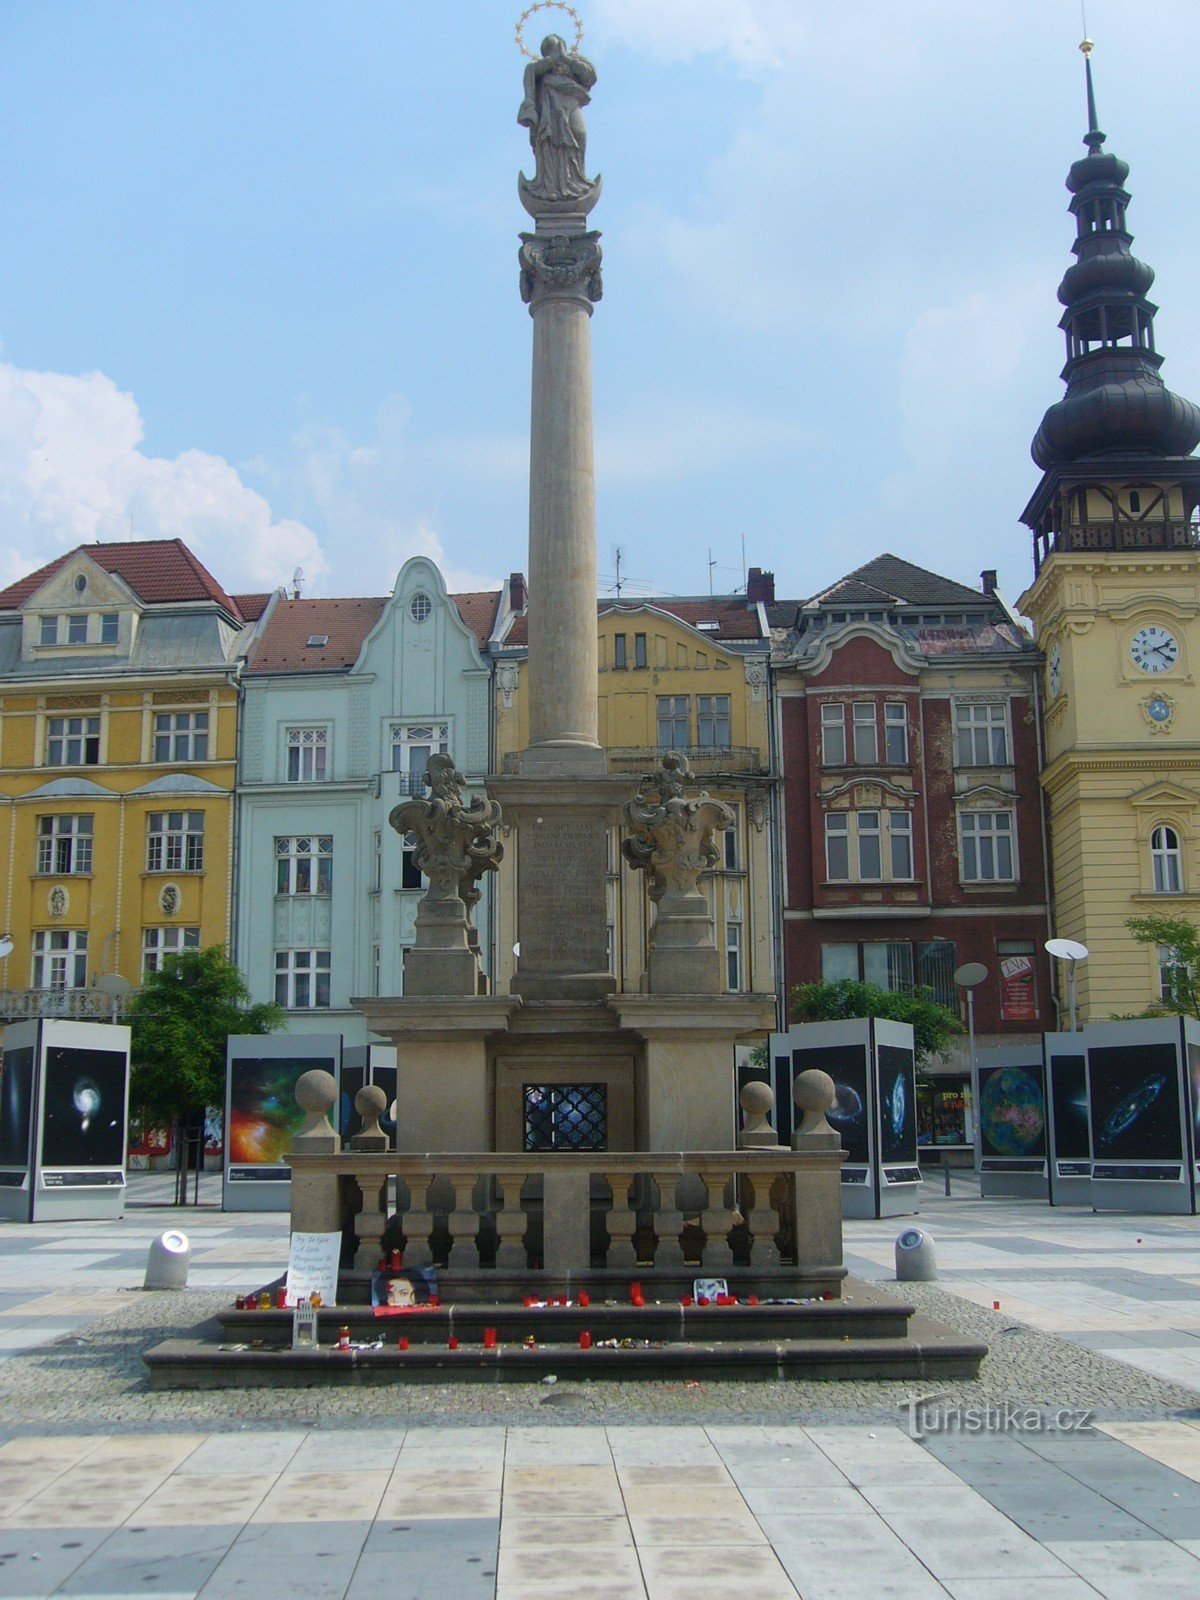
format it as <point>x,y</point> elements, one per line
<point>258,280</point>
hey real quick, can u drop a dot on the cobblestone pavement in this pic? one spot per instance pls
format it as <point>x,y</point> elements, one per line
<point>614,1491</point>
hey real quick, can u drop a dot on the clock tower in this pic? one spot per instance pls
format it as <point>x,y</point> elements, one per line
<point>1115,602</point>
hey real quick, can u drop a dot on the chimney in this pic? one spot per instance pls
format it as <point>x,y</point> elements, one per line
<point>987,580</point>
<point>517,597</point>
<point>760,586</point>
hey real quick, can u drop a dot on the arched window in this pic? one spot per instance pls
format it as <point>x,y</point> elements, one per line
<point>1165,860</point>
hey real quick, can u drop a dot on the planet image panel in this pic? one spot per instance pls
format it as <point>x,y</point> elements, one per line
<point>1012,1112</point>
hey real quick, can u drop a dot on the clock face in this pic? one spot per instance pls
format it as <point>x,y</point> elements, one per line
<point>1154,649</point>
<point>1055,668</point>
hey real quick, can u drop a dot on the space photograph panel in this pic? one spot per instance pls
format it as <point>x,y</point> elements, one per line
<point>1068,1091</point>
<point>1134,1093</point>
<point>84,1100</point>
<point>263,1114</point>
<point>16,1107</point>
<point>846,1064</point>
<point>1193,1060</point>
<point>897,1106</point>
<point>1012,1112</point>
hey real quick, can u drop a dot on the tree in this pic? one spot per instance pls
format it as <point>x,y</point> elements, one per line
<point>933,1025</point>
<point>181,1018</point>
<point>1180,940</point>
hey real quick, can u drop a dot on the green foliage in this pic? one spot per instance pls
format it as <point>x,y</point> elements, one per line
<point>760,1056</point>
<point>933,1025</point>
<point>1182,939</point>
<point>181,1018</point>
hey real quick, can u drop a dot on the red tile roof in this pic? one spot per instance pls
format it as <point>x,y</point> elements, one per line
<point>157,570</point>
<point>284,645</point>
<point>252,606</point>
<point>735,618</point>
<point>478,611</point>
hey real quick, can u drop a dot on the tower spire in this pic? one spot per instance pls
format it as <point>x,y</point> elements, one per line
<point>1093,138</point>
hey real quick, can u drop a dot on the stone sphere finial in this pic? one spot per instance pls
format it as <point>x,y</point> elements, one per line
<point>316,1095</point>
<point>370,1103</point>
<point>757,1100</point>
<point>814,1092</point>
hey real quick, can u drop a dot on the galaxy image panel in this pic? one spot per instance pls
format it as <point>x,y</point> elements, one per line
<point>16,1107</point>
<point>84,1122</point>
<point>897,1106</point>
<point>1134,1092</point>
<point>846,1064</point>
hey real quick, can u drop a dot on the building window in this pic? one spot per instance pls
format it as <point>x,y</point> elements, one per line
<point>73,742</point>
<point>412,745</point>
<point>866,752</point>
<point>420,607</point>
<point>639,649</point>
<point>833,735</point>
<point>987,846</point>
<point>1166,860</point>
<point>567,1116</point>
<point>937,960</point>
<point>59,960</point>
<point>733,957</point>
<point>160,942</point>
<point>839,963</point>
<point>110,627</point>
<point>900,836</point>
<point>64,845</point>
<point>888,965</point>
<point>731,859</point>
<point>1173,978</point>
<point>620,661</point>
<point>375,988</point>
<point>837,847</point>
<point>47,630</point>
<point>870,858</point>
<point>307,749</point>
<point>77,628</point>
<point>869,839</point>
<point>895,734</point>
<point>981,736</point>
<point>410,873</point>
<point>302,979</point>
<point>181,736</point>
<point>175,841</point>
<point>304,864</point>
<point>712,722</point>
<point>674,722</point>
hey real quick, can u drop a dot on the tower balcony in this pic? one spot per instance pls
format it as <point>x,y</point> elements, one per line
<point>1115,536</point>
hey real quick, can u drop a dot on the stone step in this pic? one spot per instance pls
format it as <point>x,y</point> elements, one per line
<point>492,1287</point>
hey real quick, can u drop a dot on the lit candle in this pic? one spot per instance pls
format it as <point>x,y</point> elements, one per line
<point>585,1298</point>
<point>489,1338</point>
<point>585,1339</point>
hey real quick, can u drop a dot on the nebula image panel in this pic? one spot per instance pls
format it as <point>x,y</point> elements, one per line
<point>1068,1092</point>
<point>1012,1112</point>
<point>263,1114</point>
<point>16,1107</point>
<point>1134,1093</point>
<point>846,1064</point>
<point>84,1100</point>
<point>1193,1058</point>
<point>897,1106</point>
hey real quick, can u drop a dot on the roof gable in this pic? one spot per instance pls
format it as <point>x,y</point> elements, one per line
<point>157,571</point>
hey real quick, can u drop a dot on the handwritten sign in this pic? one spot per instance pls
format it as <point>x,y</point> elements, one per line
<point>313,1267</point>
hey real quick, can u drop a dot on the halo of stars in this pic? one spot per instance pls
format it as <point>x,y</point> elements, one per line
<point>546,5</point>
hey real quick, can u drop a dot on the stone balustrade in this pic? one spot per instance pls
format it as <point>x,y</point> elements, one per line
<point>771,1210</point>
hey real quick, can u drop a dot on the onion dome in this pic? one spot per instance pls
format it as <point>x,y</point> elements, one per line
<point>1115,403</point>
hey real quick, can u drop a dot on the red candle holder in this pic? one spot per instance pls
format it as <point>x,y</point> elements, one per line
<point>639,1300</point>
<point>753,1300</point>
<point>489,1338</point>
<point>634,1288</point>
<point>585,1339</point>
<point>585,1299</point>
<point>402,1344</point>
<point>281,1299</point>
<point>686,1300</point>
<point>451,1343</point>
<point>703,1300</point>
<point>395,1260</point>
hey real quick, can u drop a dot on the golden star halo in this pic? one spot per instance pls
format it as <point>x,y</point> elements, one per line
<point>546,5</point>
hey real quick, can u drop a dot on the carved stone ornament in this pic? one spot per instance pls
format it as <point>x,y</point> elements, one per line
<point>671,841</point>
<point>58,901</point>
<point>560,266</point>
<point>556,88</point>
<point>507,678</point>
<point>168,899</point>
<point>456,845</point>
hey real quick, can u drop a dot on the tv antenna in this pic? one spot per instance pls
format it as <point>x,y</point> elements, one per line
<point>619,555</point>
<point>711,564</point>
<point>297,580</point>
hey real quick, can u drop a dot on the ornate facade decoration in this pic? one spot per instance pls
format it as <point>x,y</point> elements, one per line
<point>560,266</point>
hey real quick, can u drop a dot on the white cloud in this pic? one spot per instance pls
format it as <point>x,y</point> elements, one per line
<point>759,35</point>
<point>72,470</point>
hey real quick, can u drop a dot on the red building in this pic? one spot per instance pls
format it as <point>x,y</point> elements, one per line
<point>912,831</point>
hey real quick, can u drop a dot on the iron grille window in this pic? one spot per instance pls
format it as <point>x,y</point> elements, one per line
<point>566,1116</point>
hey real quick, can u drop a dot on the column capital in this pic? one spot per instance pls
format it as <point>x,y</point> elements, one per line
<point>560,266</point>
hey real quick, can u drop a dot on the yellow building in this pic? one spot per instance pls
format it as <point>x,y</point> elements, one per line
<point>118,752</point>
<point>1116,605</point>
<point>674,674</point>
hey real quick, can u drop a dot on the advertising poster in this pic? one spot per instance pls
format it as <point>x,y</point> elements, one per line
<point>1068,1092</point>
<point>1012,1113</point>
<point>1134,1094</point>
<point>846,1064</point>
<point>897,1106</point>
<point>83,1103</point>
<point>16,1107</point>
<point>1018,988</point>
<point>263,1114</point>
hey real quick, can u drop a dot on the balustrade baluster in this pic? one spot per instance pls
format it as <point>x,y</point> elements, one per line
<point>717,1222</point>
<point>371,1221</point>
<point>668,1224</point>
<point>418,1221</point>
<point>463,1223</point>
<point>760,1218</point>
<point>622,1224</point>
<point>511,1223</point>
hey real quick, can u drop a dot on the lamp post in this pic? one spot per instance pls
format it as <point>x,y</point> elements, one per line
<point>1070,951</point>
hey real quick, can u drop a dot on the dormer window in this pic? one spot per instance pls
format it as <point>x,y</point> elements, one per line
<point>110,627</point>
<point>48,630</point>
<point>77,628</point>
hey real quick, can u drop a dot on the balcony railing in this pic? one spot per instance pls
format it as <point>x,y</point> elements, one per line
<point>666,1213</point>
<point>1117,536</point>
<point>79,1005</point>
<point>704,760</point>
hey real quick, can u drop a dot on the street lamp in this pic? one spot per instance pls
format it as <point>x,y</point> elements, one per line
<point>969,976</point>
<point>1070,951</point>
